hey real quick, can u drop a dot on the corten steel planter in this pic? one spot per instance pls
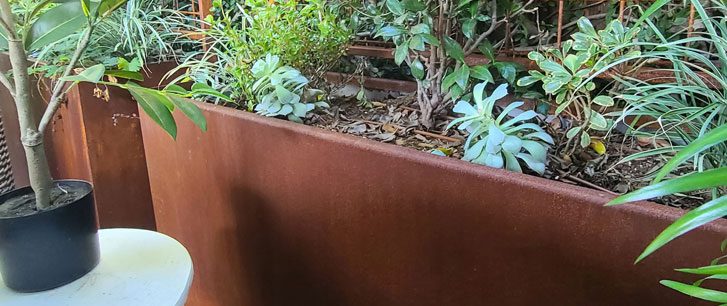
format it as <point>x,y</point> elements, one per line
<point>277,213</point>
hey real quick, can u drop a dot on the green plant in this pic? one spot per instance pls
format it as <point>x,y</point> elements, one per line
<point>687,107</point>
<point>424,33</point>
<point>500,142</point>
<point>280,90</point>
<point>140,30</point>
<point>693,107</point>
<point>567,75</point>
<point>712,210</point>
<point>46,24</point>
<point>308,36</point>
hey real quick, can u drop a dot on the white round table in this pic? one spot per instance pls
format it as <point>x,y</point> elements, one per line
<point>137,268</point>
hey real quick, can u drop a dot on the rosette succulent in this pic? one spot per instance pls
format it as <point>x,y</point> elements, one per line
<point>503,141</point>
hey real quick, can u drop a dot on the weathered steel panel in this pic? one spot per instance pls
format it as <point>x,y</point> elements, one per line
<point>276,213</point>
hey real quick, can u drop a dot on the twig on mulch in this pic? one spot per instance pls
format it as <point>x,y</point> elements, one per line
<point>565,175</point>
<point>438,136</point>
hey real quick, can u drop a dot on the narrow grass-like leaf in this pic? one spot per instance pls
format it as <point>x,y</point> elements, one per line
<point>714,137</point>
<point>697,292</point>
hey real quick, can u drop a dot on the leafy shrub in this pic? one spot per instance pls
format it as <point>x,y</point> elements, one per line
<point>308,36</point>
<point>499,142</point>
<point>280,90</point>
<point>442,73</point>
<point>567,74</point>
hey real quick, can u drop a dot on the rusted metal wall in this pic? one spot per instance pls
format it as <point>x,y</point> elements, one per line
<point>99,141</point>
<point>276,213</point>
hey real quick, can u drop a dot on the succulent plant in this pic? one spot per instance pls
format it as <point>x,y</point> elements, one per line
<point>281,90</point>
<point>501,142</point>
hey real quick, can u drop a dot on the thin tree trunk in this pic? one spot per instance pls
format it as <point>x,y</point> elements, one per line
<point>38,170</point>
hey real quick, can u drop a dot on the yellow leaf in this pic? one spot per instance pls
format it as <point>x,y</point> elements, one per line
<point>598,146</point>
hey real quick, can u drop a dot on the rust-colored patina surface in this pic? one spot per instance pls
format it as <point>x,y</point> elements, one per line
<point>276,213</point>
<point>95,140</point>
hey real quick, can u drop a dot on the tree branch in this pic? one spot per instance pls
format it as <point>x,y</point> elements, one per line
<point>7,83</point>
<point>57,96</point>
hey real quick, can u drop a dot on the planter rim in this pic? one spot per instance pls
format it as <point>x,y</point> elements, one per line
<point>585,194</point>
<point>22,189</point>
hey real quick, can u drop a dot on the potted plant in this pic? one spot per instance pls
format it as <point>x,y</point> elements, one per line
<point>48,231</point>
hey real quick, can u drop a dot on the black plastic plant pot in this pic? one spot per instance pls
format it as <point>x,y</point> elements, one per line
<point>51,248</point>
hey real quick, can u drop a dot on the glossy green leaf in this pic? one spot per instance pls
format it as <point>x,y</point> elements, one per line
<point>482,72</point>
<point>400,53</point>
<point>154,104</point>
<point>706,141</point>
<point>417,69</point>
<point>190,110</point>
<point>697,292</point>
<point>395,7</point>
<point>453,49</point>
<point>55,24</point>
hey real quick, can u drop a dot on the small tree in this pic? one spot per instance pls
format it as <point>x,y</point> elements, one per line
<point>434,38</point>
<point>48,22</point>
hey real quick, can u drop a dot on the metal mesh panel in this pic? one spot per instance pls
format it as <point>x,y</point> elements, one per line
<point>6,173</point>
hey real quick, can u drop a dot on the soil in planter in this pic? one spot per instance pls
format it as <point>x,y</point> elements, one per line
<point>25,205</point>
<point>395,121</point>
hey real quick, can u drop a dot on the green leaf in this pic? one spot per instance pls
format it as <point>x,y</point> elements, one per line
<point>417,43</point>
<point>154,104</point>
<point>414,5</point>
<point>176,89</point>
<point>527,81</point>
<point>585,26</point>
<point>400,53</point>
<point>55,24</point>
<point>421,28</point>
<point>91,74</point>
<point>389,31</point>
<point>697,292</point>
<point>417,69</point>
<point>706,141</point>
<point>468,28</point>
<point>453,49</point>
<point>708,270</point>
<point>603,101</point>
<point>204,89</point>
<point>701,215</point>
<point>585,139</point>
<point>190,110</point>
<point>694,181</point>
<point>395,7</point>
<point>487,50</point>
<point>430,39</point>
<point>106,7</point>
<point>462,76</point>
<point>571,62</point>
<point>508,71</point>
<point>482,72</point>
<point>125,74</point>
